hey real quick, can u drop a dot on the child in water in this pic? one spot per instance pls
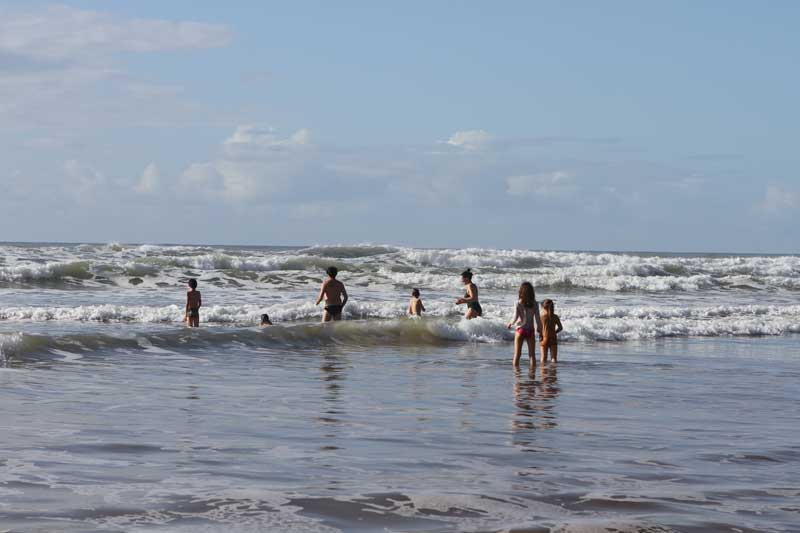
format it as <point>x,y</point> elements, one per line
<point>527,320</point>
<point>551,326</point>
<point>265,321</point>
<point>415,307</point>
<point>193,303</point>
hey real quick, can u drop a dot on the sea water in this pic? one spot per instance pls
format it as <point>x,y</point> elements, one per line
<point>674,406</point>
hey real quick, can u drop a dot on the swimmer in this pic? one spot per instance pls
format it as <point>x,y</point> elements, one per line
<point>415,307</point>
<point>193,304</point>
<point>265,321</point>
<point>335,296</point>
<point>470,297</point>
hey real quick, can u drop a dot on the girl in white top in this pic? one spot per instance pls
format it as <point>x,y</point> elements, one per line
<point>527,320</point>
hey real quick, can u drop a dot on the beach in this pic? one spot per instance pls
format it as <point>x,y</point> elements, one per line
<point>673,406</point>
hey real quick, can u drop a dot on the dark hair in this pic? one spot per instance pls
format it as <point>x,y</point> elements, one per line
<point>527,294</point>
<point>415,293</point>
<point>332,271</point>
<point>193,283</point>
<point>265,319</point>
<point>548,305</point>
<point>467,274</point>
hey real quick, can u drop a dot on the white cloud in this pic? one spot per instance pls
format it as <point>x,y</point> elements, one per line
<point>470,139</point>
<point>256,165</point>
<point>201,178</point>
<point>778,199</point>
<point>150,180</point>
<point>63,67</point>
<point>83,181</point>
<point>249,139</point>
<point>546,184</point>
<point>69,34</point>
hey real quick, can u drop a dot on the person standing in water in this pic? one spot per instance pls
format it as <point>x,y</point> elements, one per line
<point>415,307</point>
<point>193,304</point>
<point>470,297</point>
<point>551,326</point>
<point>527,320</point>
<point>335,296</point>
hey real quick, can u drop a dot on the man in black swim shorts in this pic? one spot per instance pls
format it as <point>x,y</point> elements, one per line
<point>335,296</point>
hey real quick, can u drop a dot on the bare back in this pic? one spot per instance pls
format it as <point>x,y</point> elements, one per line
<point>415,307</point>
<point>334,292</point>
<point>193,300</point>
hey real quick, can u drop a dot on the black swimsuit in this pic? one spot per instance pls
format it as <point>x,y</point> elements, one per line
<point>475,306</point>
<point>334,309</point>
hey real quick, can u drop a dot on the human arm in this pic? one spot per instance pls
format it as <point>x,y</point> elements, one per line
<point>516,317</point>
<point>321,292</point>
<point>344,296</point>
<point>559,327</point>
<point>199,301</point>
<point>418,308</point>
<point>537,318</point>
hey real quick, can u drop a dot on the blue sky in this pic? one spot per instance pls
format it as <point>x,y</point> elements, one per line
<point>559,125</point>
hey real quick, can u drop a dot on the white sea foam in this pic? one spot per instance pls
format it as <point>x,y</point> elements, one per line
<point>46,271</point>
<point>495,269</point>
<point>581,323</point>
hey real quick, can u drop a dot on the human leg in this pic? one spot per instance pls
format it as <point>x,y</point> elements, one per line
<point>517,349</point>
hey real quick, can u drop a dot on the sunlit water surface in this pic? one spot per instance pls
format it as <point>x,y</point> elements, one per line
<point>673,435</point>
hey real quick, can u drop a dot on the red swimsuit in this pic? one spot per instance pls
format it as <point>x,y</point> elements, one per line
<point>524,332</point>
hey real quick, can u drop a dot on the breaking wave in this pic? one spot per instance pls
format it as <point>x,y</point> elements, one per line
<point>384,326</point>
<point>500,269</point>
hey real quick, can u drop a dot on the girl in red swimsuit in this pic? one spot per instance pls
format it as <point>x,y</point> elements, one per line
<point>526,316</point>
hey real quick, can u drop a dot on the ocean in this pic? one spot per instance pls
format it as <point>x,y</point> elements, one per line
<point>675,404</point>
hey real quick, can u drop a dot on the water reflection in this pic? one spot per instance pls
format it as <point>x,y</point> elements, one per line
<point>469,396</point>
<point>332,377</point>
<point>535,391</point>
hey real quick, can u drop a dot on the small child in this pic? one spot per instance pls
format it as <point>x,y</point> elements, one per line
<point>415,307</point>
<point>265,321</point>
<point>527,320</point>
<point>193,303</point>
<point>551,326</point>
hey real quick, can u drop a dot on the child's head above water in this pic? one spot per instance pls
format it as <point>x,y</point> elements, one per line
<point>415,293</point>
<point>332,271</point>
<point>193,283</point>
<point>265,321</point>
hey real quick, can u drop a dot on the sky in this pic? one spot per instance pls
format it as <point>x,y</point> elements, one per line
<point>576,125</point>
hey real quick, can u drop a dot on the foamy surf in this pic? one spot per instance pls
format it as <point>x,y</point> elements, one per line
<point>388,266</point>
<point>87,289</point>
<point>130,420</point>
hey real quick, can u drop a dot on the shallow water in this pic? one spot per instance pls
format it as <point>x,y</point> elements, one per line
<point>675,406</point>
<point>677,435</point>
